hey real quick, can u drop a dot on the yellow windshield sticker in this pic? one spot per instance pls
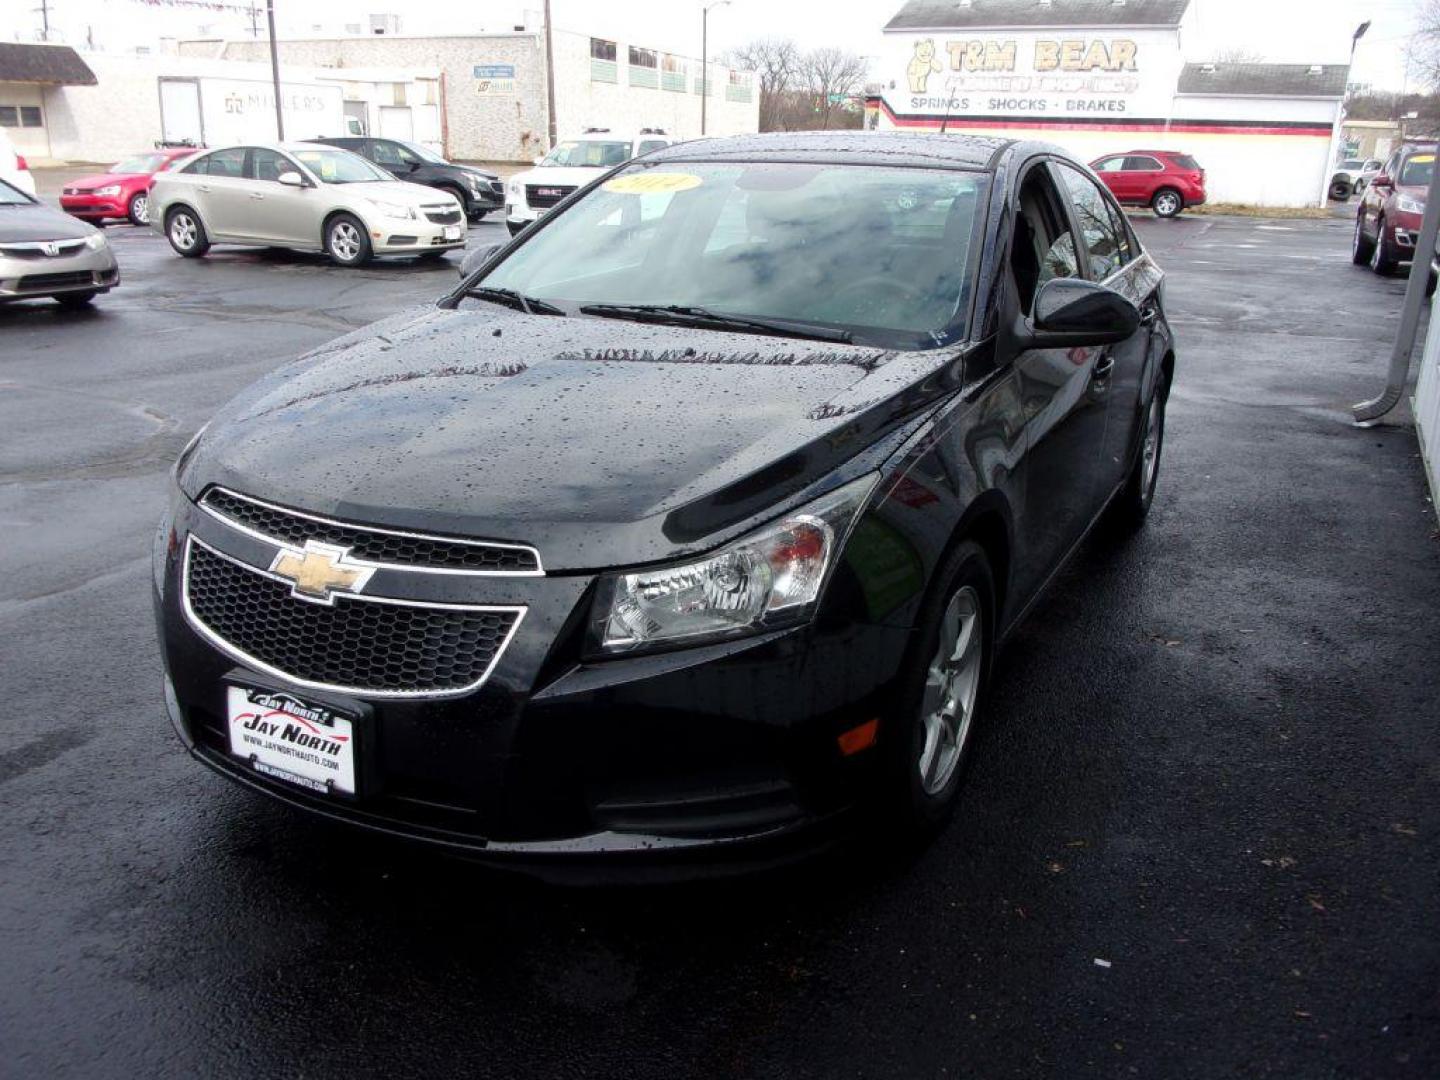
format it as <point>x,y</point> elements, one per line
<point>1424,159</point>
<point>652,183</point>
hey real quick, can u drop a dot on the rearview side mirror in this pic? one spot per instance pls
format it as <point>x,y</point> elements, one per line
<point>1071,312</point>
<point>290,179</point>
<point>473,260</point>
<point>1382,180</point>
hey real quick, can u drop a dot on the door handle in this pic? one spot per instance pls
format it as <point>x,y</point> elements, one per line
<point>1148,316</point>
<point>256,195</point>
<point>204,187</point>
<point>1103,367</point>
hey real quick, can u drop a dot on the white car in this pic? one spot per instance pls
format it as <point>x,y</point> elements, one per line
<point>572,164</point>
<point>303,196</point>
<point>13,169</point>
<point>1352,177</point>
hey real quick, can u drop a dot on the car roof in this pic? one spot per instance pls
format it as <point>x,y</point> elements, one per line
<point>849,147</point>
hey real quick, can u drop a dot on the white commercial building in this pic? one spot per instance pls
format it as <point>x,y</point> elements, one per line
<point>493,90</point>
<point>1100,77</point>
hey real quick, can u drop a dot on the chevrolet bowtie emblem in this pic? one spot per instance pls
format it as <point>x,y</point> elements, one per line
<point>318,571</point>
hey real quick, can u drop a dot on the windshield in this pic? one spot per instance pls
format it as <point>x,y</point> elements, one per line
<point>339,166</point>
<point>424,153</point>
<point>138,165</point>
<point>1416,171</point>
<point>589,153</point>
<point>881,252</point>
<point>10,196</point>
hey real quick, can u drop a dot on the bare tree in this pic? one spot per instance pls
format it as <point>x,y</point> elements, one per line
<point>1423,52</point>
<point>776,62</point>
<point>831,79</point>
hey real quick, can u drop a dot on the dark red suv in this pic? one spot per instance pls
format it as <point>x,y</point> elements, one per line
<point>1387,226</point>
<point>1163,180</point>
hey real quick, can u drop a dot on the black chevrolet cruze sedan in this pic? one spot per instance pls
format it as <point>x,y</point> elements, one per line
<point>688,526</point>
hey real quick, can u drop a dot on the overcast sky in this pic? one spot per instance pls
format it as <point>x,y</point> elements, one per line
<point>1311,31</point>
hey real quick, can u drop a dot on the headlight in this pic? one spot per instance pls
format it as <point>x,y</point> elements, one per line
<point>1408,204</point>
<point>95,241</point>
<point>112,189</point>
<point>477,183</point>
<point>772,577</point>
<point>515,189</point>
<point>394,210</point>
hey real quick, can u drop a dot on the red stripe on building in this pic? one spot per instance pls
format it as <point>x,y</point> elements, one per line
<point>1189,127</point>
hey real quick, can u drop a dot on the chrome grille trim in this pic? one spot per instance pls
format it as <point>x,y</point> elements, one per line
<point>412,568</point>
<point>243,657</point>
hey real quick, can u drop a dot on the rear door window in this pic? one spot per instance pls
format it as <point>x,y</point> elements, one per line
<point>1141,163</point>
<point>221,163</point>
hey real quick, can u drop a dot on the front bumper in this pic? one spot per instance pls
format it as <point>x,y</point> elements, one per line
<point>725,751</point>
<point>406,237</point>
<point>95,207</point>
<point>41,275</point>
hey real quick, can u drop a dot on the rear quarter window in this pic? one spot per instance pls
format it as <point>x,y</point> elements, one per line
<point>1185,161</point>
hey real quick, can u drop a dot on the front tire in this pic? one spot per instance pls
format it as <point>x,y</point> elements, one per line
<point>139,209</point>
<point>186,233</point>
<point>346,241</point>
<point>1381,261</point>
<point>1361,246</point>
<point>1340,190</point>
<point>1167,203</point>
<point>929,748</point>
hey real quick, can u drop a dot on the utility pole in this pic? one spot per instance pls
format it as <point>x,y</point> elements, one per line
<point>44,10</point>
<point>550,80</point>
<point>275,71</point>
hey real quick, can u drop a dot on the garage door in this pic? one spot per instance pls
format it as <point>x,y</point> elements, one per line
<point>395,122</point>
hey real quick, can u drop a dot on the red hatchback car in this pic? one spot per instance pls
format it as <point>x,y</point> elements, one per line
<point>123,191</point>
<point>1163,180</point>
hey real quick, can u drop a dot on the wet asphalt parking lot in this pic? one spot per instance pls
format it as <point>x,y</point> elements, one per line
<point>1199,838</point>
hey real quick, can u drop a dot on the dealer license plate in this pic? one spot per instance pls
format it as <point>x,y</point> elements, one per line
<point>285,738</point>
<point>452,232</point>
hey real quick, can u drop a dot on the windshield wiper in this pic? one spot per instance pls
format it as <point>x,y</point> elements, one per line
<point>509,297</point>
<point>689,315</point>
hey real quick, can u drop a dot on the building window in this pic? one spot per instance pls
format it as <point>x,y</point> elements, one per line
<point>739,88</point>
<point>602,61</point>
<point>672,73</point>
<point>20,116</point>
<point>644,67</point>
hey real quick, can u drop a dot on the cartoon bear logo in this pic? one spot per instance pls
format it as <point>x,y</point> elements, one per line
<point>922,64</point>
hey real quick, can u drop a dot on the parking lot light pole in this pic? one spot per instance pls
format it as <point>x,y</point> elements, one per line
<point>1367,411</point>
<point>1330,154</point>
<point>705,56</point>
<point>275,70</point>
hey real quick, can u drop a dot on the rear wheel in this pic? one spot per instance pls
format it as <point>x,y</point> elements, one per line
<point>1361,245</point>
<point>933,732</point>
<point>1132,505</point>
<point>1167,202</point>
<point>139,208</point>
<point>186,233</point>
<point>75,301</point>
<point>1340,190</point>
<point>1381,260</point>
<point>346,241</point>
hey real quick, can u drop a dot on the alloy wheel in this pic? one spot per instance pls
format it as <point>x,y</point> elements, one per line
<point>1166,204</point>
<point>952,684</point>
<point>1355,240</point>
<point>183,231</point>
<point>1150,451</point>
<point>140,207</point>
<point>345,241</point>
<point>1377,253</point>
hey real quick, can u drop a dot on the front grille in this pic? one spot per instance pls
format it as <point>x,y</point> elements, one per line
<point>443,217</point>
<point>371,544</point>
<point>79,191</point>
<point>497,187</point>
<point>40,282</point>
<point>541,196</point>
<point>357,645</point>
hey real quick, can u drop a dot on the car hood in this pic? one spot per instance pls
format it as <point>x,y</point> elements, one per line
<point>601,442</point>
<point>560,175</point>
<point>102,179</point>
<point>398,191</point>
<point>481,173</point>
<point>32,222</point>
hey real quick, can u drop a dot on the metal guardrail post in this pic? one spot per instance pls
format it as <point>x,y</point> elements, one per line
<point>1368,411</point>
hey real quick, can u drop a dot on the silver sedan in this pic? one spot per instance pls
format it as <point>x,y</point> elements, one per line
<point>302,196</point>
